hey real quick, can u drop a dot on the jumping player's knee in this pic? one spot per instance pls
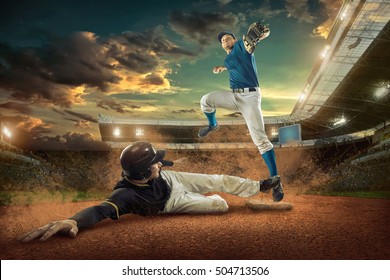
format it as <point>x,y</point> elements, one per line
<point>205,104</point>
<point>264,146</point>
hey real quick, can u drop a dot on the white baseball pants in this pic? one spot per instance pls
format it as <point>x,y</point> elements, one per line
<point>249,104</point>
<point>188,189</point>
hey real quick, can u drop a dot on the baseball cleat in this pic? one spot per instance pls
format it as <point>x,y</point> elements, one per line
<point>277,192</point>
<point>207,130</point>
<point>267,184</point>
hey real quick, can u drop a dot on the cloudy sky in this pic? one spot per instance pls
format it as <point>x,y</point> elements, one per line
<point>64,62</point>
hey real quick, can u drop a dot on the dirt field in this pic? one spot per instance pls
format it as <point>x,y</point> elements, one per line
<point>318,227</point>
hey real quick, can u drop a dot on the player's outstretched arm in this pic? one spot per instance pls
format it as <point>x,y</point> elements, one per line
<point>43,233</point>
<point>256,33</point>
<point>83,219</point>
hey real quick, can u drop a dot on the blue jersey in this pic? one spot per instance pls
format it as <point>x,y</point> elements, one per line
<point>242,67</point>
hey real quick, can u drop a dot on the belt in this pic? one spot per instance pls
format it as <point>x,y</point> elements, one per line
<point>241,90</point>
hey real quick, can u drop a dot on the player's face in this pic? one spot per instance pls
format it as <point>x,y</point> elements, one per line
<point>228,42</point>
<point>155,168</point>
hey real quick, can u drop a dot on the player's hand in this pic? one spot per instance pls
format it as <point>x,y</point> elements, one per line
<point>218,69</point>
<point>65,226</point>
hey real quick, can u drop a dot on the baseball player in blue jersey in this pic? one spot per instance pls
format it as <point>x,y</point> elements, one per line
<point>245,95</point>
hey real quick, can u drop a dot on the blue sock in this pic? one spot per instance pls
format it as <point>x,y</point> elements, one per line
<point>270,161</point>
<point>211,118</point>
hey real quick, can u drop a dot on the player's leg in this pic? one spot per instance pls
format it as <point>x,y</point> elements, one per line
<point>187,191</point>
<point>209,104</point>
<point>204,183</point>
<point>250,106</point>
<point>182,201</point>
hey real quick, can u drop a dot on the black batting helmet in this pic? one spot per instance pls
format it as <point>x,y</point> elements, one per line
<point>137,158</point>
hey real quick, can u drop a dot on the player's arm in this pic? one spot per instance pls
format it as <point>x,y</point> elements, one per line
<point>83,219</point>
<point>118,203</point>
<point>219,69</point>
<point>256,33</point>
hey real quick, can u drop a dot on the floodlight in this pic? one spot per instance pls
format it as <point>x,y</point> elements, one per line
<point>301,97</point>
<point>7,132</point>
<point>117,132</point>
<point>340,121</point>
<point>139,132</point>
<point>382,91</point>
<point>325,51</point>
<point>344,13</point>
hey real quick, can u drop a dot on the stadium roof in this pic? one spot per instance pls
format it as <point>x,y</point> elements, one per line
<point>348,88</point>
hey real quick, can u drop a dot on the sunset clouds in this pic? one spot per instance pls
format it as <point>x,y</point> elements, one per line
<point>51,74</point>
<point>202,27</point>
<point>331,9</point>
<point>61,64</point>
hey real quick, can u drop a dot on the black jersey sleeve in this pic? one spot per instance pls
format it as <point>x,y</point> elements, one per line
<point>118,204</point>
<point>92,215</point>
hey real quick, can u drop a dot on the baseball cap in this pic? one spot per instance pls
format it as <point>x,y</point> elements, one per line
<point>223,33</point>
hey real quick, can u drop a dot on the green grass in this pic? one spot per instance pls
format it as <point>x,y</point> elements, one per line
<point>44,196</point>
<point>5,198</point>
<point>86,196</point>
<point>365,194</point>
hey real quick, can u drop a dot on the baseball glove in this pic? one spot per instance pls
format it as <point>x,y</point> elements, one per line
<point>256,32</point>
